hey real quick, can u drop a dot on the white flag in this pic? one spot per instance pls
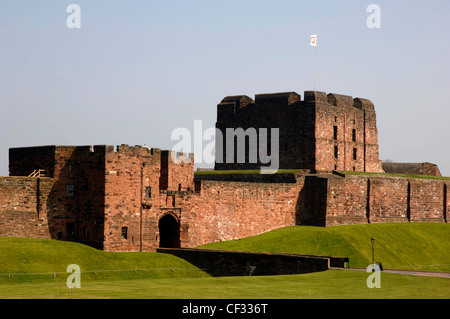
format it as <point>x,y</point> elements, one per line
<point>313,40</point>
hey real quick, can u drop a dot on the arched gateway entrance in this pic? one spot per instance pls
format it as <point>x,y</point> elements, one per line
<point>169,232</point>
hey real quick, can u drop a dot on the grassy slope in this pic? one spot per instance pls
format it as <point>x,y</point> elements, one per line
<point>418,246</point>
<point>328,284</point>
<point>43,257</point>
<point>35,255</point>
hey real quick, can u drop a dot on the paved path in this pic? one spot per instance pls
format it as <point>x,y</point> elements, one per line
<point>409,272</point>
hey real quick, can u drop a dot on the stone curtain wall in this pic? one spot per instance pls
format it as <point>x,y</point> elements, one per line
<point>388,199</point>
<point>361,199</point>
<point>412,168</point>
<point>232,210</point>
<point>427,200</point>
<point>23,207</point>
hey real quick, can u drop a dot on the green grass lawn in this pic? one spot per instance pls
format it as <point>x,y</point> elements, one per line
<point>36,268</point>
<point>409,246</point>
<point>42,260</point>
<point>445,178</point>
<point>329,284</point>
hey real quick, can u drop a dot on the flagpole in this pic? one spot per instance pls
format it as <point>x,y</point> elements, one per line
<point>315,74</point>
<point>314,43</point>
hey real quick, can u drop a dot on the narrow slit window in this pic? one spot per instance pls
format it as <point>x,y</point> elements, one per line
<point>148,192</point>
<point>70,191</point>
<point>124,232</point>
<point>70,229</point>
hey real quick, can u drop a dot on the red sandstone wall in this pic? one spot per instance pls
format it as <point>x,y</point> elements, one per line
<point>360,199</point>
<point>126,205</point>
<point>346,201</point>
<point>23,207</point>
<point>355,123</point>
<point>230,210</point>
<point>78,217</point>
<point>446,201</point>
<point>388,199</point>
<point>177,176</point>
<point>79,167</point>
<point>427,200</point>
<point>426,169</point>
<point>335,110</point>
<point>372,161</point>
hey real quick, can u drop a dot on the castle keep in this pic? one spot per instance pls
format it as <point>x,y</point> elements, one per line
<point>134,198</point>
<point>321,133</point>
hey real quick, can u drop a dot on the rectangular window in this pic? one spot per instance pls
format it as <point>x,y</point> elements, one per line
<point>70,191</point>
<point>335,152</point>
<point>148,192</point>
<point>354,153</point>
<point>354,135</point>
<point>335,132</point>
<point>85,232</point>
<point>124,232</point>
<point>70,229</point>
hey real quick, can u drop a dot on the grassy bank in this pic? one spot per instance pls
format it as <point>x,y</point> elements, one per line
<point>31,260</point>
<point>409,246</point>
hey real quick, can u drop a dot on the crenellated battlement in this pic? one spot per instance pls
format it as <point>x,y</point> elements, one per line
<point>340,100</point>
<point>282,99</point>
<point>232,107</point>
<point>134,150</point>
<point>363,104</point>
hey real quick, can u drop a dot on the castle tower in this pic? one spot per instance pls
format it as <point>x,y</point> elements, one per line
<point>110,198</point>
<point>320,133</point>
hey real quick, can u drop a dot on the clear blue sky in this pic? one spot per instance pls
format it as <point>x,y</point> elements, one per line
<point>136,70</point>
